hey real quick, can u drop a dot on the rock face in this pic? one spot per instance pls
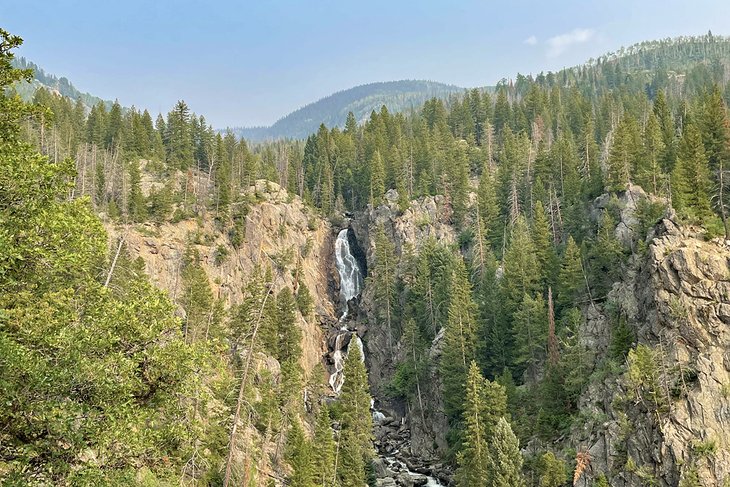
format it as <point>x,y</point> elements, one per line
<point>426,218</point>
<point>677,299</point>
<point>281,233</point>
<point>279,230</point>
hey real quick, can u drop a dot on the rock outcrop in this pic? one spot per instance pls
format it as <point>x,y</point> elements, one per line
<point>424,432</point>
<point>677,299</point>
<point>280,231</point>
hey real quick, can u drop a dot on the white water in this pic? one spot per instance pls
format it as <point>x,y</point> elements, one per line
<point>350,273</point>
<point>351,284</point>
<point>398,466</point>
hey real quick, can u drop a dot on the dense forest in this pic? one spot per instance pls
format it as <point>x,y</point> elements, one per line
<point>104,385</point>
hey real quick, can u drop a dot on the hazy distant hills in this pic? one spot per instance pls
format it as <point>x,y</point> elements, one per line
<point>59,85</point>
<point>649,62</point>
<point>332,110</point>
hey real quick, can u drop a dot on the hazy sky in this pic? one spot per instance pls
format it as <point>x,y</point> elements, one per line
<point>250,62</point>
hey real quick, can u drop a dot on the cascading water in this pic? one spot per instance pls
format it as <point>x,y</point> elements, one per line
<point>350,273</point>
<point>351,283</point>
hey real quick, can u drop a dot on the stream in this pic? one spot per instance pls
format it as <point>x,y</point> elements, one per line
<point>351,286</point>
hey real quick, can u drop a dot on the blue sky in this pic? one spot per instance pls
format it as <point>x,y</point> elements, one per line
<point>251,62</point>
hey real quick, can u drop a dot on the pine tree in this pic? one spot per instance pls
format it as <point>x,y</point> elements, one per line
<point>473,460</point>
<point>690,178</point>
<point>196,298</point>
<point>137,207</point>
<point>521,267</point>
<point>323,455</point>
<point>649,174</point>
<point>289,349</point>
<point>715,138</point>
<point>298,454</point>
<point>411,371</point>
<point>546,257</point>
<point>571,284</point>
<point>530,327</point>
<point>552,471</point>
<point>666,126</point>
<point>355,443</point>
<point>506,465</point>
<point>382,279</point>
<point>624,154</point>
<point>178,136</point>
<point>488,207</point>
<point>459,341</point>
<point>114,126</point>
<point>377,179</point>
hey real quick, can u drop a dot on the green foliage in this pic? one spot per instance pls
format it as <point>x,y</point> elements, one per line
<point>382,279</point>
<point>690,177</point>
<point>571,284</point>
<point>645,377</point>
<point>530,329</point>
<point>355,440</point>
<point>459,341</point>
<point>622,337</point>
<point>298,454</point>
<point>473,459</point>
<point>552,471</point>
<point>506,459</point>
<point>323,456</point>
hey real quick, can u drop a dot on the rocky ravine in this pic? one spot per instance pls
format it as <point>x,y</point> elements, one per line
<point>415,440</point>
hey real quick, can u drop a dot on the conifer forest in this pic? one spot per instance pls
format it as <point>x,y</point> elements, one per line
<point>524,284</point>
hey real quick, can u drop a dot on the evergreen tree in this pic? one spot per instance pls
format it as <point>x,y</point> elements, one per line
<point>530,329</point>
<point>382,280</point>
<point>459,341</point>
<point>323,454</point>
<point>546,257</point>
<point>355,443</point>
<point>196,298</point>
<point>624,156</point>
<point>666,126</point>
<point>114,127</point>
<point>473,460</point>
<point>377,179</point>
<point>178,136</point>
<point>137,207</point>
<point>552,471</point>
<point>521,267</point>
<point>298,454</point>
<point>488,207</point>
<point>571,285</point>
<point>649,173</point>
<point>690,178</point>
<point>506,458</point>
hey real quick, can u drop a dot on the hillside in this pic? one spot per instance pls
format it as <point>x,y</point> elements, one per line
<point>361,100</point>
<point>523,287</point>
<point>61,85</point>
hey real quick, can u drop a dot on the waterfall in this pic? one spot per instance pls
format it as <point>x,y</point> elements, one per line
<point>351,281</point>
<point>351,284</point>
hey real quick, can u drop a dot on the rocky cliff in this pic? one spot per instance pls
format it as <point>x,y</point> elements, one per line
<point>279,232</point>
<point>664,419</point>
<point>419,437</point>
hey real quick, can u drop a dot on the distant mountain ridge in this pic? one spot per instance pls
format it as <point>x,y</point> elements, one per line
<point>361,100</point>
<point>53,83</point>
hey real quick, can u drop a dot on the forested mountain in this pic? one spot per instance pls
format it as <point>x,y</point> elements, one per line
<point>524,287</point>
<point>398,96</point>
<point>62,86</point>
